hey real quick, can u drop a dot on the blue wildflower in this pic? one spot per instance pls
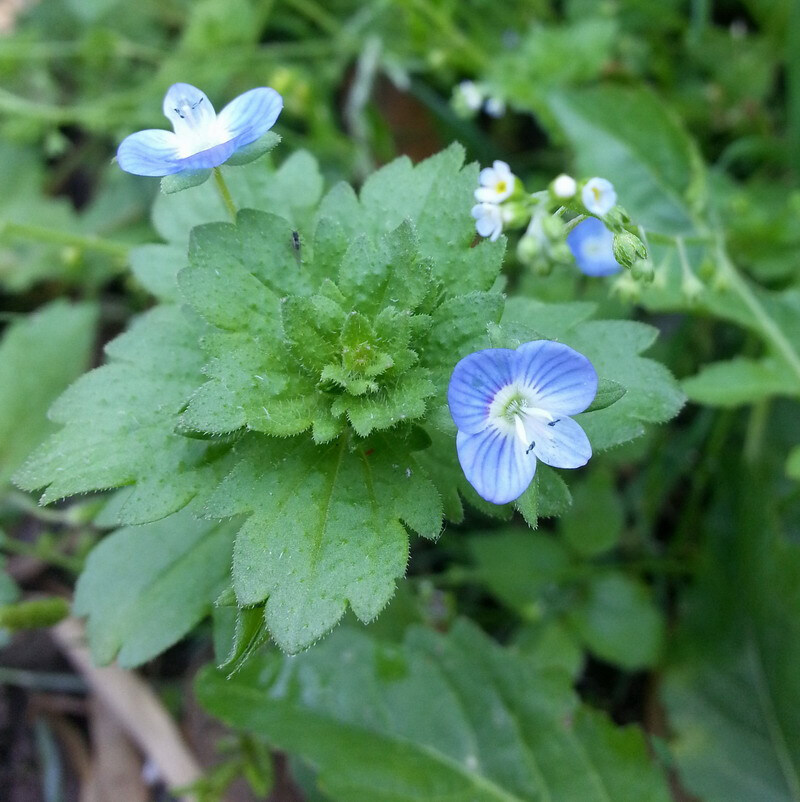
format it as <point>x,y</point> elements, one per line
<point>202,138</point>
<point>592,245</point>
<point>512,408</point>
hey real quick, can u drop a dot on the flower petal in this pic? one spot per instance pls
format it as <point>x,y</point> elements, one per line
<point>187,105</point>
<point>592,245</point>
<point>210,157</point>
<point>251,115</point>
<point>563,381</point>
<point>495,464</point>
<point>475,381</point>
<point>152,152</point>
<point>560,443</point>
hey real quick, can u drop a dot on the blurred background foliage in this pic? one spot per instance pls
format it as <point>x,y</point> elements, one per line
<point>670,592</point>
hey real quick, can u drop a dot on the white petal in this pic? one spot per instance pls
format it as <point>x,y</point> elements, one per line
<point>560,443</point>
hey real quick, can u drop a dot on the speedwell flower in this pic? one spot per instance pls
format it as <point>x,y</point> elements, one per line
<point>599,196</point>
<point>512,408</point>
<point>592,245</point>
<point>488,220</point>
<point>202,138</point>
<point>497,183</point>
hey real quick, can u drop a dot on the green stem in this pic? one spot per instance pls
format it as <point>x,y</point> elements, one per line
<point>754,435</point>
<point>317,14</point>
<point>446,27</point>
<point>770,330</point>
<point>574,222</point>
<point>225,193</point>
<point>53,236</point>
<point>12,546</point>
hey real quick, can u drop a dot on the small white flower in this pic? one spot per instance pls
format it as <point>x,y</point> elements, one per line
<point>497,183</point>
<point>495,107</point>
<point>564,186</point>
<point>598,196</point>
<point>488,220</point>
<point>471,95</point>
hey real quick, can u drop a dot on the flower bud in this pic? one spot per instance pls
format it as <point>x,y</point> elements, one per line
<point>564,187</point>
<point>691,287</point>
<point>561,254</point>
<point>529,250</point>
<point>616,219</point>
<point>626,288</point>
<point>515,214</point>
<point>642,270</point>
<point>553,228</point>
<point>628,248</point>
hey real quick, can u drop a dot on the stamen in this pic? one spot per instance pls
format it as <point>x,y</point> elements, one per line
<point>520,428</point>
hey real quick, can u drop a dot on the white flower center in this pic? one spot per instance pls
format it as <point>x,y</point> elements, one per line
<point>197,126</point>
<point>512,411</point>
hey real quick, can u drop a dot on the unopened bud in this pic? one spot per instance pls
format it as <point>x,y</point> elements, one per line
<point>553,228</point>
<point>626,288</point>
<point>691,287</point>
<point>628,249</point>
<point>529,250</point>
<point>514,214</point>
<point>616,219</point>
<point>643,271</point>
<point>564,187</point>
<point>70,255</point>
<point>707,269</point>
<point>542,266</point>
<point>561,254</point>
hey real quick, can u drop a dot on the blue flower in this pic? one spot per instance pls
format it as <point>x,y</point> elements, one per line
<point>592,245</point>
<point>512,408</point>
<point>202,138</point>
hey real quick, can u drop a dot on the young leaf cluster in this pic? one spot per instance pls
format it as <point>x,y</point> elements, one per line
<point>295,375</point>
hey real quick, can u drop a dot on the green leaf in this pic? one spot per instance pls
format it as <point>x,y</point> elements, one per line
<point>608,393</point>
<point>145,587</point>
<point>740,381</point>
<point>547,496</point>
<point>628,136</point>
<point>436,195</point>
<point>549,57</point>
<point>618,621</point>
<point>518,566</point>
<point>255,150</point>
<point>503,731</point>
<point>156,268</point>
<point>595,522</point>
<point>325,530</point>
<point>134,400</point>
<point>731,689</point>
<point>290,192</point>
<point>793,463</point>
<point>178,182</point>
<point>39,356</point>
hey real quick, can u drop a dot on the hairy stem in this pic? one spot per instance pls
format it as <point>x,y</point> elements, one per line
<point>53,236</point>
<point>225,193</point>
